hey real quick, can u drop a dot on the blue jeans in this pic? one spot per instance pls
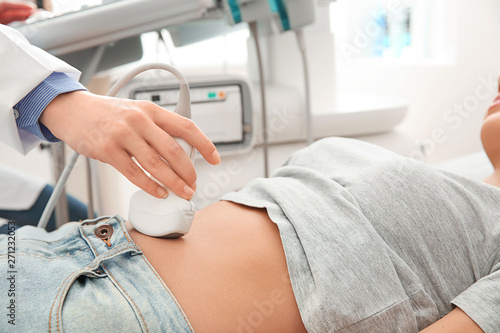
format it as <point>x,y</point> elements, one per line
<point>84,277</point>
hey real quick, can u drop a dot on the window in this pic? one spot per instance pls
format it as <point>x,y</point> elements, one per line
<point>392,29</point>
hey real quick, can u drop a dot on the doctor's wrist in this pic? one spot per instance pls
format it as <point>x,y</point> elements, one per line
<point>57,116</point>
<point>31,106</point>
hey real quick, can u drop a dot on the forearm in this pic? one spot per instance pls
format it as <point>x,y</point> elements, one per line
<point>456,321</point>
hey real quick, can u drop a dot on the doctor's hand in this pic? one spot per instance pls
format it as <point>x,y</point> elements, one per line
<point>11,11</point>
<point>114,130</point>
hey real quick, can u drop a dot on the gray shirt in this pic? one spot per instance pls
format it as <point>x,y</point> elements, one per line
<point>376,242</point>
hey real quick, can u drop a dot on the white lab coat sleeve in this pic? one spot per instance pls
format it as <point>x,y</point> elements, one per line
<point>22,67</point>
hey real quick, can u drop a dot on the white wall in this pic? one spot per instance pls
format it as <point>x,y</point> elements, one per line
<point>436,90</point>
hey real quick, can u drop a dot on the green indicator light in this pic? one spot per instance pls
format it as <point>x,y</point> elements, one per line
<point>212,95</point>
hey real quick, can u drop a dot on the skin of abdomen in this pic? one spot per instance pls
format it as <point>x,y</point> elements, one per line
<point>229,273</point>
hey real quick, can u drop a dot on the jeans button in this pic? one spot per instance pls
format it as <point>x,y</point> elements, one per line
<point>104,231</point>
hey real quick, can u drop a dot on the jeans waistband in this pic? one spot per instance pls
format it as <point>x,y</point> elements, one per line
<point>117,257</point>
<point>87,276</point>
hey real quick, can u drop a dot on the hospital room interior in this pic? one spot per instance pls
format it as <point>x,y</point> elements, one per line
<point>267,79</point>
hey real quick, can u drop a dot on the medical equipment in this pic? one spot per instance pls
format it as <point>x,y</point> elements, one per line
<point>289,14</point>
<point>286,12</point>
<point>110,22</point>
<point>220,106</point>
<point>255,34</point>
<point>170,217</point>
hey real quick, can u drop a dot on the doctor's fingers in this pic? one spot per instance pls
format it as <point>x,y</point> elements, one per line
<point>166,161</point>
<point>181,127</point>
<point>157,151</point>
<point>124,164</point>
<point>121,159</point>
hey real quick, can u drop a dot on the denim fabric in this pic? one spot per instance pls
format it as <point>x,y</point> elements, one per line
<point>75,281</point>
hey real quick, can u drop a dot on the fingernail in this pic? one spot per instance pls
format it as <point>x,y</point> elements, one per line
<point>188,191</point>
<point>162,192</point>
<point>216,157</point>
